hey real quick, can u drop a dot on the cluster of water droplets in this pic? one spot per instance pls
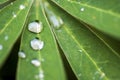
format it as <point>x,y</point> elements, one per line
<point>21,7</point>
<point>36,44</point>
<point>6,37</point>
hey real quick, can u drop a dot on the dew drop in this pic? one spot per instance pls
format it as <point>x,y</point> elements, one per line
<point>42,60</point>
<point>102,75</point>
<point>1,47</point>
<point>80,50</point>
<point>6,37</point>
<point>82,9</point>
<point>36,44</point>
<point>11,3</point>
<point>21,54</point>
<point>14,15</point>
<point>36,62</point>
<point>79,74</point>
<point>35,27</point>
<point>21,7</point>
<point>40,75</point>
<point>57,22</point>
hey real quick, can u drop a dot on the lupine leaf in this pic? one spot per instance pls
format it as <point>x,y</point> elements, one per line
<point>11,24</point>
<point>103,15</point>
<point>89,57</point>
<point>2,1</point>
<point>51,66</point>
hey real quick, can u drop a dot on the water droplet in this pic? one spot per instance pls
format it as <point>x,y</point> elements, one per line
<point>82,9</point>
<point>21,7</point>
<point>40,75</point>
<point>56,22</point>
<point>6,37</point>
<point>1,47</point>
<point>14,15</point>
<point>80,50</point>
<point>97,72</point>
<point>42,60</point>
<point>36,62</point>
<point>37,44</point>
<point>35,27</point>
<point>79,74</point>
<point>11,3</point>
<point>21,54</point>
<point>102,75</point>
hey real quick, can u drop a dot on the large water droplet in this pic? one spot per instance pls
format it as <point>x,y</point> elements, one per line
<point>35,27</point>
<point>37,44</point>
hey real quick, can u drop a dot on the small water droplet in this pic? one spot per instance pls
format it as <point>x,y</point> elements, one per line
<point>14,15</point>
<point>21,7</point>
<point>6,37</point>
<point>80,50</point>
<point>37,44</point>
<point>97,72</point>
<point>11,3</point>
<point>82,9</point>
<point>40,75</point>
<point>36,62</point>
<point>79,74</point>
<point>35,27</point>
<point>102,75</point>
<point>1,47</point>
<point>42,60</point>
<point>21,54</point>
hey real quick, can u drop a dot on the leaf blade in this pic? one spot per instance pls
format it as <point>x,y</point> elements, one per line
<point>7,35</point>
<point>88,56</point>
<point>3,1</point>
<point>94,13</point>
<point>49,53</point>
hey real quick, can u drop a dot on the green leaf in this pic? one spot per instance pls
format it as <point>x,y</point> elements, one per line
<point>101,14</point>
<point>3,1</point>
<point>51,66</point>
<point>12,21</point>
<point>110,42</point>
<point>89,57</point>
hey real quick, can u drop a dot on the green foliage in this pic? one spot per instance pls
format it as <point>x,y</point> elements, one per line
<point>2,1</point>
<point>85,32</point>
<point>49,55</point>
<point>101,14</point>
